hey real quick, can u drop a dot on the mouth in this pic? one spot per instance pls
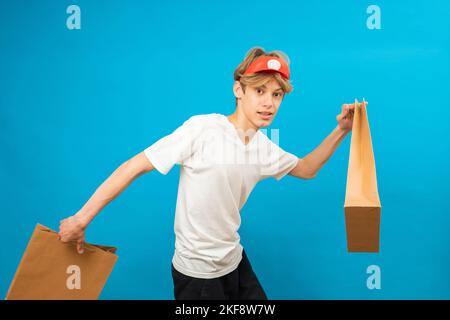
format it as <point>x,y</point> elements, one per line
<point>265,115</point>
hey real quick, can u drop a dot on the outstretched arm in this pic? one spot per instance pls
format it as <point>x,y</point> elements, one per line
<point>72,228</point>
<point>309,166</point>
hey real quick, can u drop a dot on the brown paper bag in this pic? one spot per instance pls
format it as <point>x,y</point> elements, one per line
<point>362,204</point>
<point>51,269</point>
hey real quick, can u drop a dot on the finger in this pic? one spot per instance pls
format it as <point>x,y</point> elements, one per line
<point>64,237</point>
<point>350,117</point>
<point>351,111</point>
<point>80,246</point>
<point>345,108</point>
<point>351,107</point>
<point>346,112</point>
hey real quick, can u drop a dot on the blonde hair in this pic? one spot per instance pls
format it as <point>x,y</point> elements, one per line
<point>261,78</point>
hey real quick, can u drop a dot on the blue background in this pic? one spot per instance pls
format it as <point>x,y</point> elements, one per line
<point>75,104</point>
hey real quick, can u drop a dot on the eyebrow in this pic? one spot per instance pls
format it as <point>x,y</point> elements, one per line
<point>264,86</point>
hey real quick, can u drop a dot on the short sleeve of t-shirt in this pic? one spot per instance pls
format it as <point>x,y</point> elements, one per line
<point>277,163</point>
<point>175,147</point>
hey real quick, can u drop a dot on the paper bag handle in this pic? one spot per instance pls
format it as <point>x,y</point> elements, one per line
<point>87,246</point>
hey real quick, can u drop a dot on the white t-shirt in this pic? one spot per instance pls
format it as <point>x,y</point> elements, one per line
<point>218,172</point>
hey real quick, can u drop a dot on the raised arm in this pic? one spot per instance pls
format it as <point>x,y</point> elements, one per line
<point>73,228</point>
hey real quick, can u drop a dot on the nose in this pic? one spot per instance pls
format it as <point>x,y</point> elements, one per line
<point>268,101</point>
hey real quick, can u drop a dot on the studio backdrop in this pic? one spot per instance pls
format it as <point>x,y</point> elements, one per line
<point>86,85</point>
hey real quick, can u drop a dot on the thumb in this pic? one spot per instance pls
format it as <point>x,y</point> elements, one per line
<point>80,246</point>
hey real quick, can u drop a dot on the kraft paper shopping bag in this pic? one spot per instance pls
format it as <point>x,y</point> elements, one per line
<point>51,269</point>
<point>362,203</point>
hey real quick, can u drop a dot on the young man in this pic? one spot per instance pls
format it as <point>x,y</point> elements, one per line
<point>222,158</point>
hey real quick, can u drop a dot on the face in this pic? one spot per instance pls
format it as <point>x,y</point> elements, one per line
<point>259,105</point>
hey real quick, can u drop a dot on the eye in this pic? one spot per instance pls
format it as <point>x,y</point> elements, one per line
<point>259,90</point>
<point>277,94</point>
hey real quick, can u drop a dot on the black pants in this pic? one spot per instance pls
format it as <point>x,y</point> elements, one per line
<point>240,284</point>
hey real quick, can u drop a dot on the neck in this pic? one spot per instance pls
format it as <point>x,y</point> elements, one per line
<point>240,121</point>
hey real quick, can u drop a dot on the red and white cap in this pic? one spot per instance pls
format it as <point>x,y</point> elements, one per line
<point>269,63</point>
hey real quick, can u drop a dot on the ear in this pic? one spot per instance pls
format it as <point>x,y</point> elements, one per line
<point>237,89</point>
